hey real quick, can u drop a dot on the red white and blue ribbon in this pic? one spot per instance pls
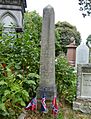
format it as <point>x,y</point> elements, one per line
<point>32,105</point>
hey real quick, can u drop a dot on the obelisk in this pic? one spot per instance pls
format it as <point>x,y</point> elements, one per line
<point>47,55</point>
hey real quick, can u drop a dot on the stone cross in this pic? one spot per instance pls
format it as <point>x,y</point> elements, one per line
<point>47,57</point>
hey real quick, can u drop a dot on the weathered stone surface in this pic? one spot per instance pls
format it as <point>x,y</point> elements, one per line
<point>84,79</point>
<point>83,98</point>
<point>82,105</point>
<point>47,56</point>
<point>22,116</point>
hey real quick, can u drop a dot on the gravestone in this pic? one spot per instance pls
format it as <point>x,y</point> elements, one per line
<point>47,56</point>
<point>83,97</point>
<point>82,54</point>
<point>71,52</point>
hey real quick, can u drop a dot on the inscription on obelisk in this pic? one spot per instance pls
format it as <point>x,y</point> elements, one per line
<point>47,56</point>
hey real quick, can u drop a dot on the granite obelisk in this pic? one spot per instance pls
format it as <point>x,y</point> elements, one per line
<point>47,56</point>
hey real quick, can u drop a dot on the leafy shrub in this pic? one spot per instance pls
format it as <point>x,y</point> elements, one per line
<point>65,79</point>
<point>13,95</point>
<point>19,68</point>
<point>15,91</point>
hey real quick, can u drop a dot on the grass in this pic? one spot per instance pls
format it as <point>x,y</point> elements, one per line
<point>65,112</point>
<point>68,113</point>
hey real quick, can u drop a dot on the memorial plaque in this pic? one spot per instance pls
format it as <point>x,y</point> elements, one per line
<point>86,85</point>
<point>83,96</point>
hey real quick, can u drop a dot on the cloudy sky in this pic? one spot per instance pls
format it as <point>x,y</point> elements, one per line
<point>65,10</point>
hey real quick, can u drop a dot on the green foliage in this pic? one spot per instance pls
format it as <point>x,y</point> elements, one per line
<point>32,30</point>
<point>64,31</point>
<point>32,26</point>
<point>19,58</point>
<point>19,67</point>
<point>23,51</point>
<point>60,114</point>
<point>65,80</point>
<point>88,41</point>
<point>13,95</point>
<point>15,90</point>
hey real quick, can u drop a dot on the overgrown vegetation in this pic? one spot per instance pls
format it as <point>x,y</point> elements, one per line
<point>19,69</point>
<point>65,80</point>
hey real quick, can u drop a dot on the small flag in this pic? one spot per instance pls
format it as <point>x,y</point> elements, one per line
<point>32,104</point>
<point>54,107</point>
<point>43,104</point>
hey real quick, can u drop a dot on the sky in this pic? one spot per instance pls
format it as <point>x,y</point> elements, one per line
<point>65,10</point>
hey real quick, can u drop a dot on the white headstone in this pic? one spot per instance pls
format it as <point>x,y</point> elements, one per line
<point>82,54</point>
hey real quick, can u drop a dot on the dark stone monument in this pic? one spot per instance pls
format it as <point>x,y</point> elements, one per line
<point>47,57</point>
<point>71,52</point>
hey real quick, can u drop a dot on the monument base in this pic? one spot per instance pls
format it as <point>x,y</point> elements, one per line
<point>83,105</point>
<point>48,92</point>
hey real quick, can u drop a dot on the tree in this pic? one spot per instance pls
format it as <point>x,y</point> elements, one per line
<point>88,40</point>
<point>64,31</point>
<point>85,7</point>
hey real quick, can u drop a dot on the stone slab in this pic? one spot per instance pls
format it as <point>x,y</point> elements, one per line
<point>83,95</point>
